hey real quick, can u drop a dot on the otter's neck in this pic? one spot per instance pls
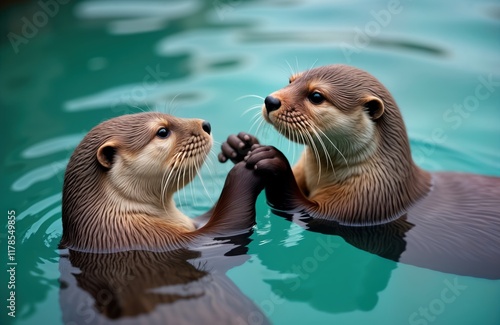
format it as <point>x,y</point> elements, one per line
<point>378,188</point>
<point>99,218</point>
<point>152,204</point>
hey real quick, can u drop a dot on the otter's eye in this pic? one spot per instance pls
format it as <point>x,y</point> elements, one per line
<point>162,133</point>
<point>316,98</point>
<point>290,80</point>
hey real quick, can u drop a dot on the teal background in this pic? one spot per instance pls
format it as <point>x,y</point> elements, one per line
<point>92,60</point>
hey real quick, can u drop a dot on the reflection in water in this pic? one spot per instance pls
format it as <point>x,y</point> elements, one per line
<point>324,271</point>
<point>176,287</point>
<point>41,86</point>
<point>451,245</point>
<point>333,276</point>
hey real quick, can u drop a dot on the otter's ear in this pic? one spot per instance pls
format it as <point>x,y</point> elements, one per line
<point>106,154</point>
<point>374,106</point>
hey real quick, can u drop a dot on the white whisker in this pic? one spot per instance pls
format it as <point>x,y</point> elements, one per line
<point>164,182</point>
<point>288,135</point>
<point>251,109</point>
<point>312,144</point>
<point>334,146</point>
<point>139,108</point>
<point>323,146</point>
<point>193,170</point>
<point>171,108</point>
<point>217,143</point>
<point>203,185</point>
<point>250,96</point>
<point>164,189</point>
<point>185,189</point>
<point>290,67</point>
<point>306,74</point>
<point>188,171</point>
<point>312,65</point>
<point>256,118</point>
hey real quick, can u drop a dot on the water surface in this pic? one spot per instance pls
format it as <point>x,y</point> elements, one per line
<point>94,60</point>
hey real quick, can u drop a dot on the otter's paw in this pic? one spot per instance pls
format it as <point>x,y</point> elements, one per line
<point>237,147</point>
<point>267,159</point>
<point>243,174</point>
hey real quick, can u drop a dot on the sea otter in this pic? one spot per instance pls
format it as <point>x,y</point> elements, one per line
<point>128,255</point>
<point>356,176</point>
<point>120,181</point>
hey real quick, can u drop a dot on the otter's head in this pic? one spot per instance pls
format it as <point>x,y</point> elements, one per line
<point>145,153</point>
<point>132,165</point>
<point>333,109</point>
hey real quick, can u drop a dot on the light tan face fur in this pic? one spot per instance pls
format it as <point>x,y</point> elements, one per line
<point>339,120</point>
<point>120,180</point>
<point>162,165</point>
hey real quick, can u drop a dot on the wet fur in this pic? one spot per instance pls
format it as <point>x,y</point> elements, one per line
<point>352,164</point>
<point>129,255</point>
<point>143,287</point>
<point>121,178</point>
<point>356,178</point>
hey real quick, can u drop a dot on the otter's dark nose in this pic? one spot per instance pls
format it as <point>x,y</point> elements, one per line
<point>272,103</point>
<point>206,127</point>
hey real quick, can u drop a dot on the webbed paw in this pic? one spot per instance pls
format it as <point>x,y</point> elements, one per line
<point>236,147</point>
<point>267,159</point>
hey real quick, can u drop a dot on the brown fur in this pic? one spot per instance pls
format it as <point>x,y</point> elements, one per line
<point>357,182</point>
<point>118,194</point>
<point>357,170</point>
<point>143,287</point>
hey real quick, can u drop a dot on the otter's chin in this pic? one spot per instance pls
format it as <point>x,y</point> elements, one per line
<point>295,133</point>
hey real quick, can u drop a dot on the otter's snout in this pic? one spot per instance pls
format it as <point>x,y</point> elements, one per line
<point>206,127</point>
<point>272,103</point>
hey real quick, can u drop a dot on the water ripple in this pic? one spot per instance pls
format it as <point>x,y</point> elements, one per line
<point>47,147</point>
<point>119,9</point>
<point>34,229</point>
<point>39,174</point>
<point>40,206</point>
<point>336,37</point>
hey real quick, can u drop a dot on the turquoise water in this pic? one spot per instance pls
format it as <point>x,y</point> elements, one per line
<point>91,60</point>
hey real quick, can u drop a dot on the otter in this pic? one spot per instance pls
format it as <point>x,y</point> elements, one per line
<point>120,181</point>
<point>128,254</point>
<point>356,177</point>
<point>182,286</point>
